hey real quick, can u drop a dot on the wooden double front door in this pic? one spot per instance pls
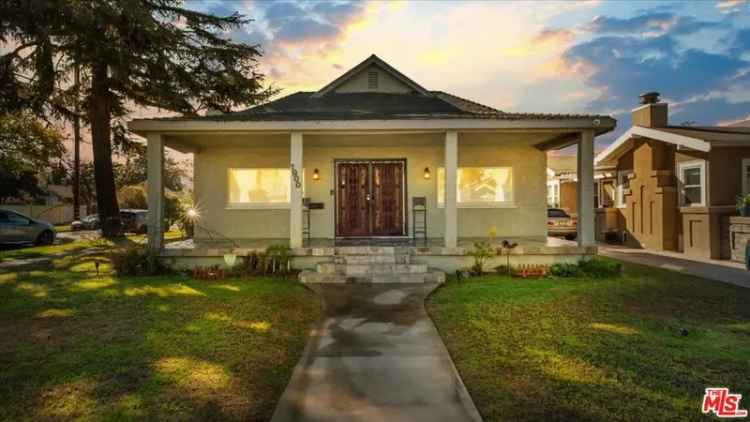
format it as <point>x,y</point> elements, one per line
<point>370,197</point>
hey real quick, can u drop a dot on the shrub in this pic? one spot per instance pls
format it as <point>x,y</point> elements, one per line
<point>565,270</point>
<point>600,268</point>
<point>594,268</point>
<point>136,261</point>
<point>481,252</point>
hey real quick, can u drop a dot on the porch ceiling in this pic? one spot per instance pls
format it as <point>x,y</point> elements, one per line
<point>195,142</point>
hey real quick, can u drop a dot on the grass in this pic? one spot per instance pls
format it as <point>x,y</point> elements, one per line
<point>62,228</point>
<point>77,345</point>
<point>585,349</point>
<point>68,246</point>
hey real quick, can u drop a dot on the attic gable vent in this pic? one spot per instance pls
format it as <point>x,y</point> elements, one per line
<point>372,79</point>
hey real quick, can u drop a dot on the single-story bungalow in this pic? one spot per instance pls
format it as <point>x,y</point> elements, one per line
<point>372,158</point>
<point>676,186</point>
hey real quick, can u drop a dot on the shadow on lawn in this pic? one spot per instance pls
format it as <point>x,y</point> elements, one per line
<point>74,344</point>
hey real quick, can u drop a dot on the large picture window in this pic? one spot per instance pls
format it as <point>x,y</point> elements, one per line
<point>693,183</point>
<point>479,186</point>
<point>260,187</point>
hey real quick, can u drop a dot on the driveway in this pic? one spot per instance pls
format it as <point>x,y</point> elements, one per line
<point>719,270</point>
<point>375,356</point>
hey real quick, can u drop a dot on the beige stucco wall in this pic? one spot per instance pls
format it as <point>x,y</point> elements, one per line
<point>526,218</point>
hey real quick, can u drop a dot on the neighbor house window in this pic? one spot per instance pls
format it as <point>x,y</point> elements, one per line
<point>693,182</point>
<point>745,176</point>
<point>553,193</point>
<point>623,184</point>
<point>479,186</point>
<point>263,187</point>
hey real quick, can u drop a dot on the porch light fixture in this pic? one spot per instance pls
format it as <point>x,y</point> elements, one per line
<point>192,214</point>
<point>427,173</point>
<point>316,174</point>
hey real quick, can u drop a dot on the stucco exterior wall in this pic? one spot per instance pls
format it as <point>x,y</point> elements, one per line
<point>527,216</point>
<point>569,197</point>
<point>650,211</point>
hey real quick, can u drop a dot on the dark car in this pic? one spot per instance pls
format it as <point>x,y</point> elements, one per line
<point>133,220</point>
<point>561,224</point>
<point>17,228</point>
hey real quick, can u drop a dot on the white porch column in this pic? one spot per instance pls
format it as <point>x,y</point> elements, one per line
<point>586,214</point>
<point>155,177</point>
<point>451,173</point>
<point>295,207</point>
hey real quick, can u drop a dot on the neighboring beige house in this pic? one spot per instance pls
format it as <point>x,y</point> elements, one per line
<point>361,148</point>
<point>562,184</point>
<point>675,185</point>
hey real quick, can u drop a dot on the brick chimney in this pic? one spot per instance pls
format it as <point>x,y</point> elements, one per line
<point>651,112</point>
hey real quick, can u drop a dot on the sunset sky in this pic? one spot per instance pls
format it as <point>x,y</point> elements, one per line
<point>558,57</point>
<point>587,56</point>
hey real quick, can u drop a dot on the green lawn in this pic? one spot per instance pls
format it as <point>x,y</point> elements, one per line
<point>585,349</point>
<point>77,345</point>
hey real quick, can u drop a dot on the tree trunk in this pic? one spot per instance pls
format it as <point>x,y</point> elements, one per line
<point>99,116</point>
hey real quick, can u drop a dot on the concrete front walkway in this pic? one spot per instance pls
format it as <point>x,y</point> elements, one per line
<point>375,356</point>
<point>724,271</point>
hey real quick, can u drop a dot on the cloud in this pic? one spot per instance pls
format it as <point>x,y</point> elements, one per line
<point>731,6</point>
<point>650,23</point>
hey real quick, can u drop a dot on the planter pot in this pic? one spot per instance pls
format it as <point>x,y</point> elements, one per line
<point>745,211</point>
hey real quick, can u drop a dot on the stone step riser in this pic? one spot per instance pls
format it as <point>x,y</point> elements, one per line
<point>430,277</point>
<point>371,259</point>
<point>365,250</point>
<point>368,269</point>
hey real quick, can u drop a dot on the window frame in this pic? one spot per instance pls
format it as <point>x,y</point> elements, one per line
<point>620,189</point>
<point>687,165</point>
<point>475,204</point>
<point>258,205</point>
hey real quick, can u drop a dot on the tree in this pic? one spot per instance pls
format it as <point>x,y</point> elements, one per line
<point>151,53</point>
<point>26,146</point>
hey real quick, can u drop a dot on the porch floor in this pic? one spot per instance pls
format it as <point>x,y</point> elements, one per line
<point>327,247</point>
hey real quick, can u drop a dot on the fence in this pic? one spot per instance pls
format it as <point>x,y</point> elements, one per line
<point>55,214</point>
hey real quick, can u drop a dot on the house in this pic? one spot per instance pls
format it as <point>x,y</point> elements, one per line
<point>359,150</point>
<point>675,185</point>
<point>562,184</point>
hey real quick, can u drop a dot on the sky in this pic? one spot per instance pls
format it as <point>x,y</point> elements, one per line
<point>557,57</point>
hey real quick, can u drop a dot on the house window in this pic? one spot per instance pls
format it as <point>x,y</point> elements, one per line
<point>260,187</point>
<point>745,176</point>
<point>553,193</point>
<point>623,184</point>
<point>693,183</point>
<point>372,80</point>
<point>479,186</point>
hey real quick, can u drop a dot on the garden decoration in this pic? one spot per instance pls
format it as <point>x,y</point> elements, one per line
<point>507,246</point>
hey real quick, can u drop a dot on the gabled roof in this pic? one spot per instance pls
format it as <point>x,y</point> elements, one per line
<point>324,108</point>
<point>698,138</point>
<point>373,60</point>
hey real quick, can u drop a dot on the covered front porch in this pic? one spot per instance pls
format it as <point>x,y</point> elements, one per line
<point>434,154</point>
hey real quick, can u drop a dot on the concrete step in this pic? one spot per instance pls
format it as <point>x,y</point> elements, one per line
<point>365,250</point>
<point>367,269</point>
<point>371,259</point>
<point>431,276</point>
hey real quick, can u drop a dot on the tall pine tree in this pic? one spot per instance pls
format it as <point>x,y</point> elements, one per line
<point>152,53</point>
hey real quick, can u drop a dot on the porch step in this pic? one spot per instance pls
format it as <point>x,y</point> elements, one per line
<point>369,269</point>
<point>431,276</point>
<point>371,264</point>
<point>371,259</point>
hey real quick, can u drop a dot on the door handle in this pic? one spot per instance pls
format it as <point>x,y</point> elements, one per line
<point>367,197</point>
